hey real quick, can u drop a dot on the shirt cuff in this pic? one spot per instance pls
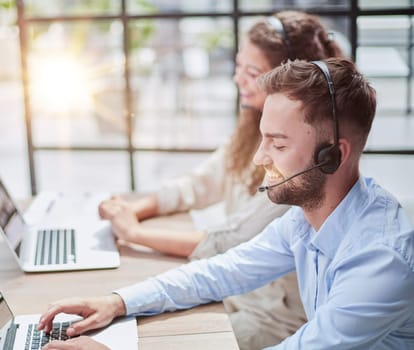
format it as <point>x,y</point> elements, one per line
<point>142,298</point>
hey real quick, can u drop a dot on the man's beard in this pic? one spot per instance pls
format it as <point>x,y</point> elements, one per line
<point>306,191</point>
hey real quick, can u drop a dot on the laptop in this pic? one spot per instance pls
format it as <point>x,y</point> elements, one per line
<point>18,333</point>
<point>60,232</point>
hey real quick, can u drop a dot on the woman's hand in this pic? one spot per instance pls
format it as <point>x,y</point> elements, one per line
<point>125,225</point>
<point>109,208</point>
<point>144,207</point>
<point>120,213</point>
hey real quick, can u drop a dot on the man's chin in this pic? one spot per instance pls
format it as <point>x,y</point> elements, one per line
<point>274,197</point>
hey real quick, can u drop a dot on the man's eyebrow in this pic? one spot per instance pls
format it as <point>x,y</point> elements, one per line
<point>276,135</point>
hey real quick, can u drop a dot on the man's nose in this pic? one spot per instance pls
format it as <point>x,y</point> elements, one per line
<point>260,158</point>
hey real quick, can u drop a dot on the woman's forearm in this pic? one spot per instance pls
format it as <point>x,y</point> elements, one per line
<point>179,243</point>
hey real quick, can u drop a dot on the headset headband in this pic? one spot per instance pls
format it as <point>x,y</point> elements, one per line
<point>277,25</point>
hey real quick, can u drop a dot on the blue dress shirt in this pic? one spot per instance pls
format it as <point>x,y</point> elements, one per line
<point>356,274</point>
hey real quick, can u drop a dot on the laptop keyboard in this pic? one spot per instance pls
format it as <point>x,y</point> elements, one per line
<point>36,339</point>
<point>56,246</point>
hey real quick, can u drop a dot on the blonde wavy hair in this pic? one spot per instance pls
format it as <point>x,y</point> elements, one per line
<point>308,40</point>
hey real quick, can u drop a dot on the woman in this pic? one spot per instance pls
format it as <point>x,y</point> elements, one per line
<point>229,175</point>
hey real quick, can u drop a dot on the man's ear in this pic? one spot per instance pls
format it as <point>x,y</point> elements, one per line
<point>346,149</point>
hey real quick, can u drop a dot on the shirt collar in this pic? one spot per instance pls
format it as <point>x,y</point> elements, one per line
<point>333,230</point>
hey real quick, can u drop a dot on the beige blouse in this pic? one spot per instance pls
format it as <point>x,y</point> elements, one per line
<point>246,215</point>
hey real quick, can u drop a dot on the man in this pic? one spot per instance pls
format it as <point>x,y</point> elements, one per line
<point>229,176</point>
<point>349,241</point>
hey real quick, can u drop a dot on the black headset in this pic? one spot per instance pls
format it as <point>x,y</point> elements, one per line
<point>329,155</point>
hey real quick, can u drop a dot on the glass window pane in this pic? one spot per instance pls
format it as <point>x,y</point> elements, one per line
<point>74,7</point>
<point>384,4</point>
<point>82,171</point>
<point>392,93</point>
<point>383,55</point>
<point>271,5</point>
<point>76,72</point>
<point>391,130</point>
<point>394,173</point>
<point>380,30</point>
<point>14,169</point>
<point>181,75</point>
<point>176,6</point>
<point>151,169</point>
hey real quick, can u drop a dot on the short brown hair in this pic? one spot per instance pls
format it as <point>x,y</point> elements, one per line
<point>355,98</point>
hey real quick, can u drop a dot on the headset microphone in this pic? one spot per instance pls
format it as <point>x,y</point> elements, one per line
<point>265,188</point>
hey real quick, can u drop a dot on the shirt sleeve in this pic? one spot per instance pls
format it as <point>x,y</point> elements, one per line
<point>239,270</point>
<point>372,295</point>
<point>198,189</point>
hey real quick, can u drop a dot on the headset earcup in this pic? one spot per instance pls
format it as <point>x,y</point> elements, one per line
<point>330,157</point>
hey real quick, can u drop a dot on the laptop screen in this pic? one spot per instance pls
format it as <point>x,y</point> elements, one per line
<point>11,221</point>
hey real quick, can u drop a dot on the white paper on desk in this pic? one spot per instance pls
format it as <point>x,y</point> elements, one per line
<point>119,335</point>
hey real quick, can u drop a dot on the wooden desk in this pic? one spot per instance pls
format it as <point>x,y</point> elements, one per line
<point>204,327</point>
